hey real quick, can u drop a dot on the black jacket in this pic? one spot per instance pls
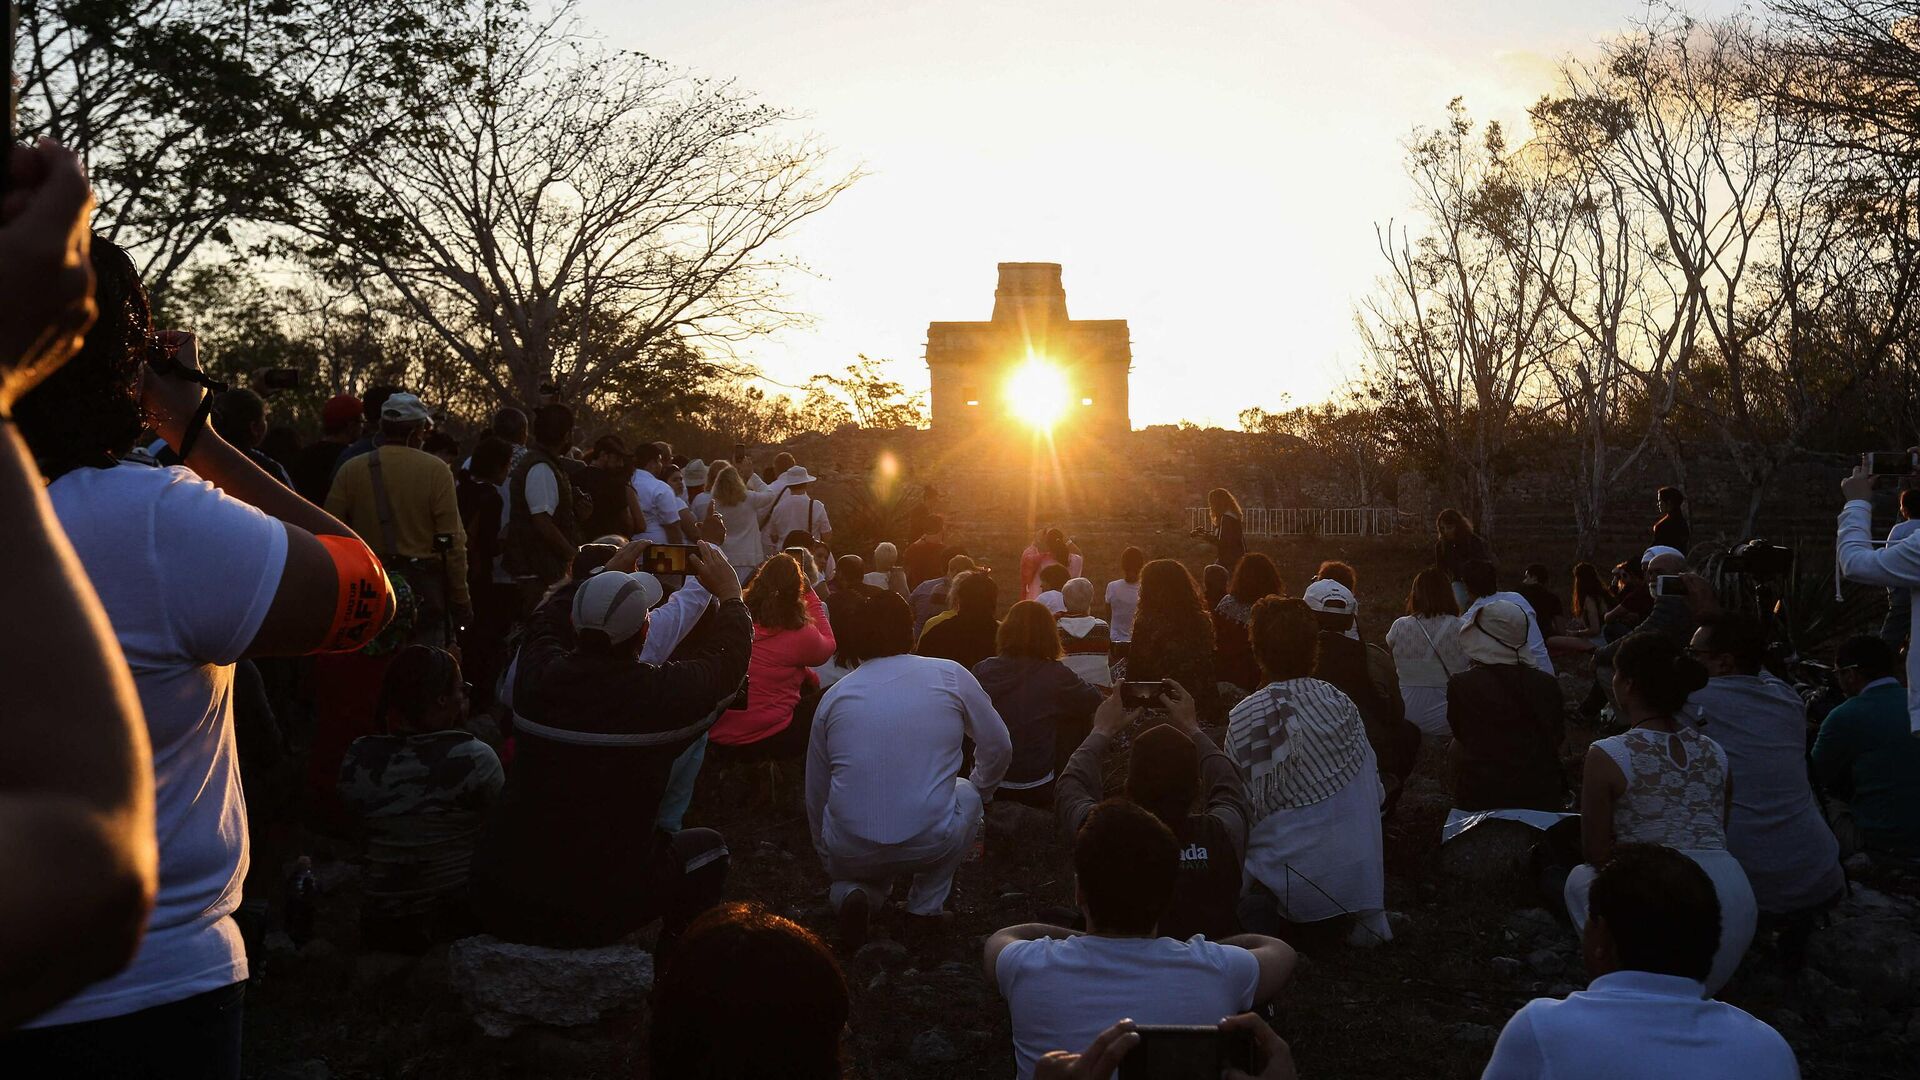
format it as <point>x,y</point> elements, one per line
<point>1038,699</point>
<point>1507,722</point>
<point>1365,674</point>
<point>964,639</point>
<point>564,859</point>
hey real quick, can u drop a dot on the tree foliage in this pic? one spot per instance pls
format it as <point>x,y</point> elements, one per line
<point>871,398</point>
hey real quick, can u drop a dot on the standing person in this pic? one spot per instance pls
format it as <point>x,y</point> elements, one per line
<point>1864,758</point>
<point>1050,548</point>
<point>1649,950</point>
<point>666,519</point>
<point>1255,579</point>
<point>1662,782</point>
<point>1454,546</point>
<point>794,509</point>
<point>1775,828</point>
<point>1507,719</point>
<point>1225,527</point>
<point>694,474</point>
<point>197,567</point>
<point>885,797</point>
<point>1426,651</point>
<point>543,529</point>
<point>967,633</point>
<point>312,468</point>
<point>1314,851</point>
<point>1047,708</point>
<point>240,416</point>
<point>420,790</point>
<point>1894,628</point>
<point>370,405</point>
<point>1482,586</point>
<point>1123,597</point>
<point>495,602</point>
<point>925,517</point>
<point>887,572</point>
<point>1171,765</point>
<point>926,557</point>
<point>1173,636</point>
<point>791,634</point>
<point>401,498</point>
<point>1084,639</point>
<point>1547,608</point>
<point>740,509</point>
<point>607,482</point>
<point>1672,529</point>
<point>1896,566</point>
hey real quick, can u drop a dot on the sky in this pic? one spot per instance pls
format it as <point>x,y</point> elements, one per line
<point>1210,170</point>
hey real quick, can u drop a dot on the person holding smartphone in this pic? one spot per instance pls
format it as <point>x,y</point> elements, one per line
<point>1896,566</point>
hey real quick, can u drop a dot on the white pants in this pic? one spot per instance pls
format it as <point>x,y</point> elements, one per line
<point>931,864</point>
<point>1738,912</point>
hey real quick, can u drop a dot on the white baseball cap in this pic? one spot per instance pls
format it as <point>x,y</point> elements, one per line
<point>615,604</point>
<point>403,409</point>
<point>1658,550</point>
<point>1330,596</point>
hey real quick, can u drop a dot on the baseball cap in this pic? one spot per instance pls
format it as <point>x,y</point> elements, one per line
<point>615,604</point>
<point>339,411</point>
<point>404,409</point>
<point>1658,550</point>
<point>1328,595</point>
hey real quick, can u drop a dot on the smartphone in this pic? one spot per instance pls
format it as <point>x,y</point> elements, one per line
<point>1139,695</point>
<point>668,559</point>
<point>1891,463</point>
<point>280,378</point>
<point>1177,1052</point>
<point>1669,585</point>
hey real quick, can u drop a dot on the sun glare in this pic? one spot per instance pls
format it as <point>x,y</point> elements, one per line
<point>1037,393</point>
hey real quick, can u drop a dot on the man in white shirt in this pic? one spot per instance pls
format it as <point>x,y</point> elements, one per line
<point>795,509</point>
<point>1896,566</point>
<point>1064,987</point>
<point>1479,578</point>
<point>668,519</point>
<point>1651,930</point>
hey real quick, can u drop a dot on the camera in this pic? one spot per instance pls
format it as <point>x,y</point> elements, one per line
<point>1758,558</point>
<point>1670,585</point>
<point>668,558</point>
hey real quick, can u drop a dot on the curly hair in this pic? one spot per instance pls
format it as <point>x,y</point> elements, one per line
<point>776,595</point>
<point>88,412</point>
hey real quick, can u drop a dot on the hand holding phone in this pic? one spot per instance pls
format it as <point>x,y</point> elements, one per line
<point>1141,695</point>
<point>662,559</point>
<point>1183,1052</point>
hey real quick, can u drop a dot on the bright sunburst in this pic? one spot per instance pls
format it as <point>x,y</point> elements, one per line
<point>1037,393</point>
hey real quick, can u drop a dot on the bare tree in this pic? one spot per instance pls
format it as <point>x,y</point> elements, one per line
<point>875,401</point>
<point>569,209</point>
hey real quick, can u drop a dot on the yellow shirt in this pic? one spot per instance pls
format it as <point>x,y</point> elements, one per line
<point>420,488</point>
<point>936,621</point>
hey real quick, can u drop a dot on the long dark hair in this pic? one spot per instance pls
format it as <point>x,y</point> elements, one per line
<point>1664,675</point>
<point>1432,594</point>
<point>419,676</point>
<point>1131,560</point>
<point>1170,602</point>
<point>1056,542</point>
<point>1255,577</point>
<point>1588,586</point>
<point>88,412</point>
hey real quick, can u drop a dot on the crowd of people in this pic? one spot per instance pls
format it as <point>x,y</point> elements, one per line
<point>642,627</point>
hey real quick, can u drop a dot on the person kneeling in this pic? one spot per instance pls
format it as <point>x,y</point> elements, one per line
<point>1064,987</point>
<point>1649,944</point>
<point>570,858</point>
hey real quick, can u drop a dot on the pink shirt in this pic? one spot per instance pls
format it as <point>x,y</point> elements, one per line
<point>775,675</point>
<point>1033,560</point>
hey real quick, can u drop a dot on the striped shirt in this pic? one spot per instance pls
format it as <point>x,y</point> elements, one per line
<point>1296,743</point>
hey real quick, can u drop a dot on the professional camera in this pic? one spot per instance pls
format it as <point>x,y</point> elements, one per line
<point>1758,558</point>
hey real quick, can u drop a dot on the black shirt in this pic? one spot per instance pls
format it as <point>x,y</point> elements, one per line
<point>1547,608</point>
<point>312,470</point>
<point>1673,531</point>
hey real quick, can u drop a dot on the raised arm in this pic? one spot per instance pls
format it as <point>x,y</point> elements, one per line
<point>1894,566</point>
<point>1080,786</point>
<point>816,640</point>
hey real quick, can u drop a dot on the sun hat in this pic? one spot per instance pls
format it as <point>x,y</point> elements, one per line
<point>1497,634</point>
<point>403,409</point>
<point>615,604</point>
<point>339,411</point>
<point>694,473</point>
<point>794,477</point>
<point>1327,595</point>
<point>1658,550</point>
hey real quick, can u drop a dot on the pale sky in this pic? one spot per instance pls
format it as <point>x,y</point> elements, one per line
<point>1209,170</point>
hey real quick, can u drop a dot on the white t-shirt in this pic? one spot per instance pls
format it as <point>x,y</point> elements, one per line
<point>1063,992</point>
<point>1052,601</point>
<point>186,575</point>
<point>700,504</point>
<point>543,491</point>
<point>790,514</point>
<point>658,504</point>
<point>1123,597</point>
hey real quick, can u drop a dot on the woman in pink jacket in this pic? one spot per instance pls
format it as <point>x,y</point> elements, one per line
<point>791,635</point>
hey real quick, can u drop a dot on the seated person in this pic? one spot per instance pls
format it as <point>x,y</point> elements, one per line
<point>1301,748</point>
<point>1775,828</point>
<point>1064,987</point>
<point>1545,603</point>
<point>930,597</point>
<point>1046,707</point>
<point>1482,584</point>
<point>886,572</point>
<point>885,797</point>
<point>1053,578</point>
<point>420,792</point>
<point>1649,944</point>
<point>1365,674</point>
<point>1632,601</point>
<point>1507,719</point>
<point>1102,1057</point>
<point>1084,639</point>
<point>1255,578</point>
<point>791,634</point>
<point>740,968</point>
<point>967,633</point>
<point>569,858</point>
<point>1169,765</point>
<point>1866,757</point>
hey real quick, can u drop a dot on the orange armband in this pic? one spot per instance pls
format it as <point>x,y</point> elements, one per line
<point>364,601</point>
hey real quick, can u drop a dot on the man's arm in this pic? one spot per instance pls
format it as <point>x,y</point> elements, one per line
<point>1226,793</point>
<point>992,745</point>
<point>990,956</point>
<point>1833,754</point>
<point>721,664</point>
<point>672,621</point>
<point>1277,961</point>
<point>1895,566</point>
<point>1080,785</point>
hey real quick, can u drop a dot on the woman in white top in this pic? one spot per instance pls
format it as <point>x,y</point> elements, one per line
<point>741,510</point>
<point>1123,595</point>
<point>1426,650</point>
<point>887,573</point>
<point>1663,783</point>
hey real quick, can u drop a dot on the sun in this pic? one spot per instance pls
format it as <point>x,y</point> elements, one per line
<point>1037,393</point>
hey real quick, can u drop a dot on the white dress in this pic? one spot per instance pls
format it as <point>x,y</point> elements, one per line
<point>1680,806</point>
<point>1426,653</point>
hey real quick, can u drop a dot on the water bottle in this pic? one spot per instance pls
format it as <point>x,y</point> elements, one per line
<point>302,890</point>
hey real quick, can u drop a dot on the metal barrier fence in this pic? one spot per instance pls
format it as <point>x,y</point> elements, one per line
<point>1317,521</point>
